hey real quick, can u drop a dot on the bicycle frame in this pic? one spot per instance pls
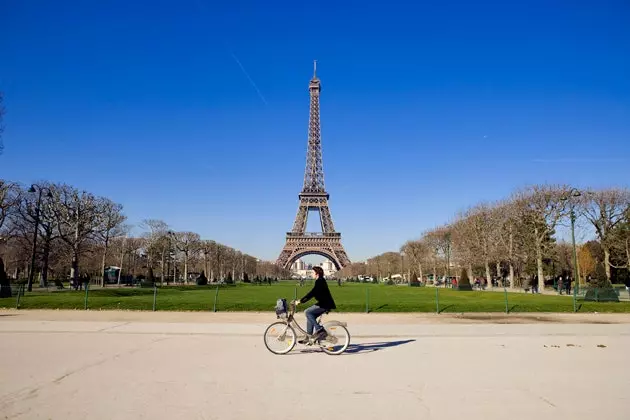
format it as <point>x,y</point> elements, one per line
<point>290,320</point>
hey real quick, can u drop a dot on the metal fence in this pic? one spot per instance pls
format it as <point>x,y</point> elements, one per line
<point>354,298</point>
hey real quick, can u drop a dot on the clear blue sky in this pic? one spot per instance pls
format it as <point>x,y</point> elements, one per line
<point>427,107</point>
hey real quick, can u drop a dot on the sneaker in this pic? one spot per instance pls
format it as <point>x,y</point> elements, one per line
<point>304,340</point>
<point>321,334</point>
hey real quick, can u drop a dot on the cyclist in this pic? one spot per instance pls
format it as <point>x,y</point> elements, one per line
<point>324,303</point>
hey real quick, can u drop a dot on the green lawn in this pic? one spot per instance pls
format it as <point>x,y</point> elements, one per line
<point>349,298</point>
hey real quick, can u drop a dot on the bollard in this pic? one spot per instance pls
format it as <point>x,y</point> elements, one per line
<point>574,300</point>
<point>216,296</point>
<point>20,290</point>
<point>507,308</point>
<point>367,300</point>
<point>154,295</point>
<point>437,300</point>
<point>87,287</point>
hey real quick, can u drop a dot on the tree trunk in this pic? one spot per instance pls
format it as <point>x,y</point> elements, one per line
<point>512,276</point>
<point>420,271</point>
<point>74,269</point>
<point>539,262</point>
<point>607,262</point>
<point>499,276</point>
<point>434,273</point>
<point>162,270</point>
<point>186,268</point>
<point>205,265</point>
<point>541,274</point>
<point>122,262</point>
<point>470,274</point>
<point>103,266</point>
<point>45,263</point>
<point>488,278</point>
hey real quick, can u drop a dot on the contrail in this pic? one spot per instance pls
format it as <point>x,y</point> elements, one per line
<point>251,81</point>
<point>201,6</point>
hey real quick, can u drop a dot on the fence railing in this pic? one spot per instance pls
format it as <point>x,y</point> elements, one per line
<point>352,298</point>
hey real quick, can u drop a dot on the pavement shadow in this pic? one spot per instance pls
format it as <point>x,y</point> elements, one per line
<point>371,347</point>
<point>360,348</point>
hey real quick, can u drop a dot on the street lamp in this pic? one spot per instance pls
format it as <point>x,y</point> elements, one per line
<point>34,188</point>
<point>573,193</point>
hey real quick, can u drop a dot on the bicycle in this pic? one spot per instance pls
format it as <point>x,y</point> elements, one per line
<point>335,342</point>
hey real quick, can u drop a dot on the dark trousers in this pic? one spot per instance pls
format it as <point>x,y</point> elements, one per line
<point>311,318</point>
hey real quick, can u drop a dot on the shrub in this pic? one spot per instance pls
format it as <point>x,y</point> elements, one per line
<point>149,281</point>
<point>600,289</point>
<point>202,280</point>
<point>464,281</point>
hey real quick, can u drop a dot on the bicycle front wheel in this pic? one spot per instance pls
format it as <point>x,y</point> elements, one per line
<point>280,338</point>
<point>337,339</point>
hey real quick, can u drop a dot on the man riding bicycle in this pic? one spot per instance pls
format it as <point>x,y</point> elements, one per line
<point>324,303</point>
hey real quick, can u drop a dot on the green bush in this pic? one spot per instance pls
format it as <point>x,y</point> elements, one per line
<point>202,280</point>
<point>464,282</point>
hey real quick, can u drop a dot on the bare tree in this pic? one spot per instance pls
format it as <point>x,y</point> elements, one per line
<point>465,243</point>
<point>439,241</point>
<point>110,226</point>
<point>605,210</point>
<point>10,198</point>
<point>542,208</point>
<point>188,243</point>
<point>417,252</point>
<point>76,216</point>
<point>35,211</point>
<point>207,250</point>
<point>157,241</point>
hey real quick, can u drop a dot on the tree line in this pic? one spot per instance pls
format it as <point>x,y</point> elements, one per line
<point>516,239</point>
<point>79,233</point>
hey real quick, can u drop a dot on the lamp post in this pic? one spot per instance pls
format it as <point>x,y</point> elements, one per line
<point>576,268</point>
<point>31,273</point>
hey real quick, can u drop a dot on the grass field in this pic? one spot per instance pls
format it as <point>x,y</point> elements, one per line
<point>349,298</point>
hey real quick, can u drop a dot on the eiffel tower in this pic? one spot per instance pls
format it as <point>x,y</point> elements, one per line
<point>313,197</point>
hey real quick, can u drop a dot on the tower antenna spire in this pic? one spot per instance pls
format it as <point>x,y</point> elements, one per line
<point>314,68</point>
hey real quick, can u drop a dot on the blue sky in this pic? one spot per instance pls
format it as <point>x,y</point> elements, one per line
<point>427,107</point>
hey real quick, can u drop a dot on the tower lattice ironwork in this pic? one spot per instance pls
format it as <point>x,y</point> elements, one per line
<point>313,198</point>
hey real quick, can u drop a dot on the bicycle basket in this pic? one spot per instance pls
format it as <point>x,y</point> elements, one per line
<point>281,308</point>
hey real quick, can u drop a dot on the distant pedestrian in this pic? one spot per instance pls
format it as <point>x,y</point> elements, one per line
<point>560,285</point>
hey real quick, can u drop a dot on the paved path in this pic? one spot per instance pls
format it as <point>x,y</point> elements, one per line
<point>133,366</point>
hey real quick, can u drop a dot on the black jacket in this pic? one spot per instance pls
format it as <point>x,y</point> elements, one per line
<point>322,295</point>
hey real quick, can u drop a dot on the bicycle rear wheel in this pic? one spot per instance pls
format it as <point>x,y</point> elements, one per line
<point>280,338</point>
<point>337,339</point>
